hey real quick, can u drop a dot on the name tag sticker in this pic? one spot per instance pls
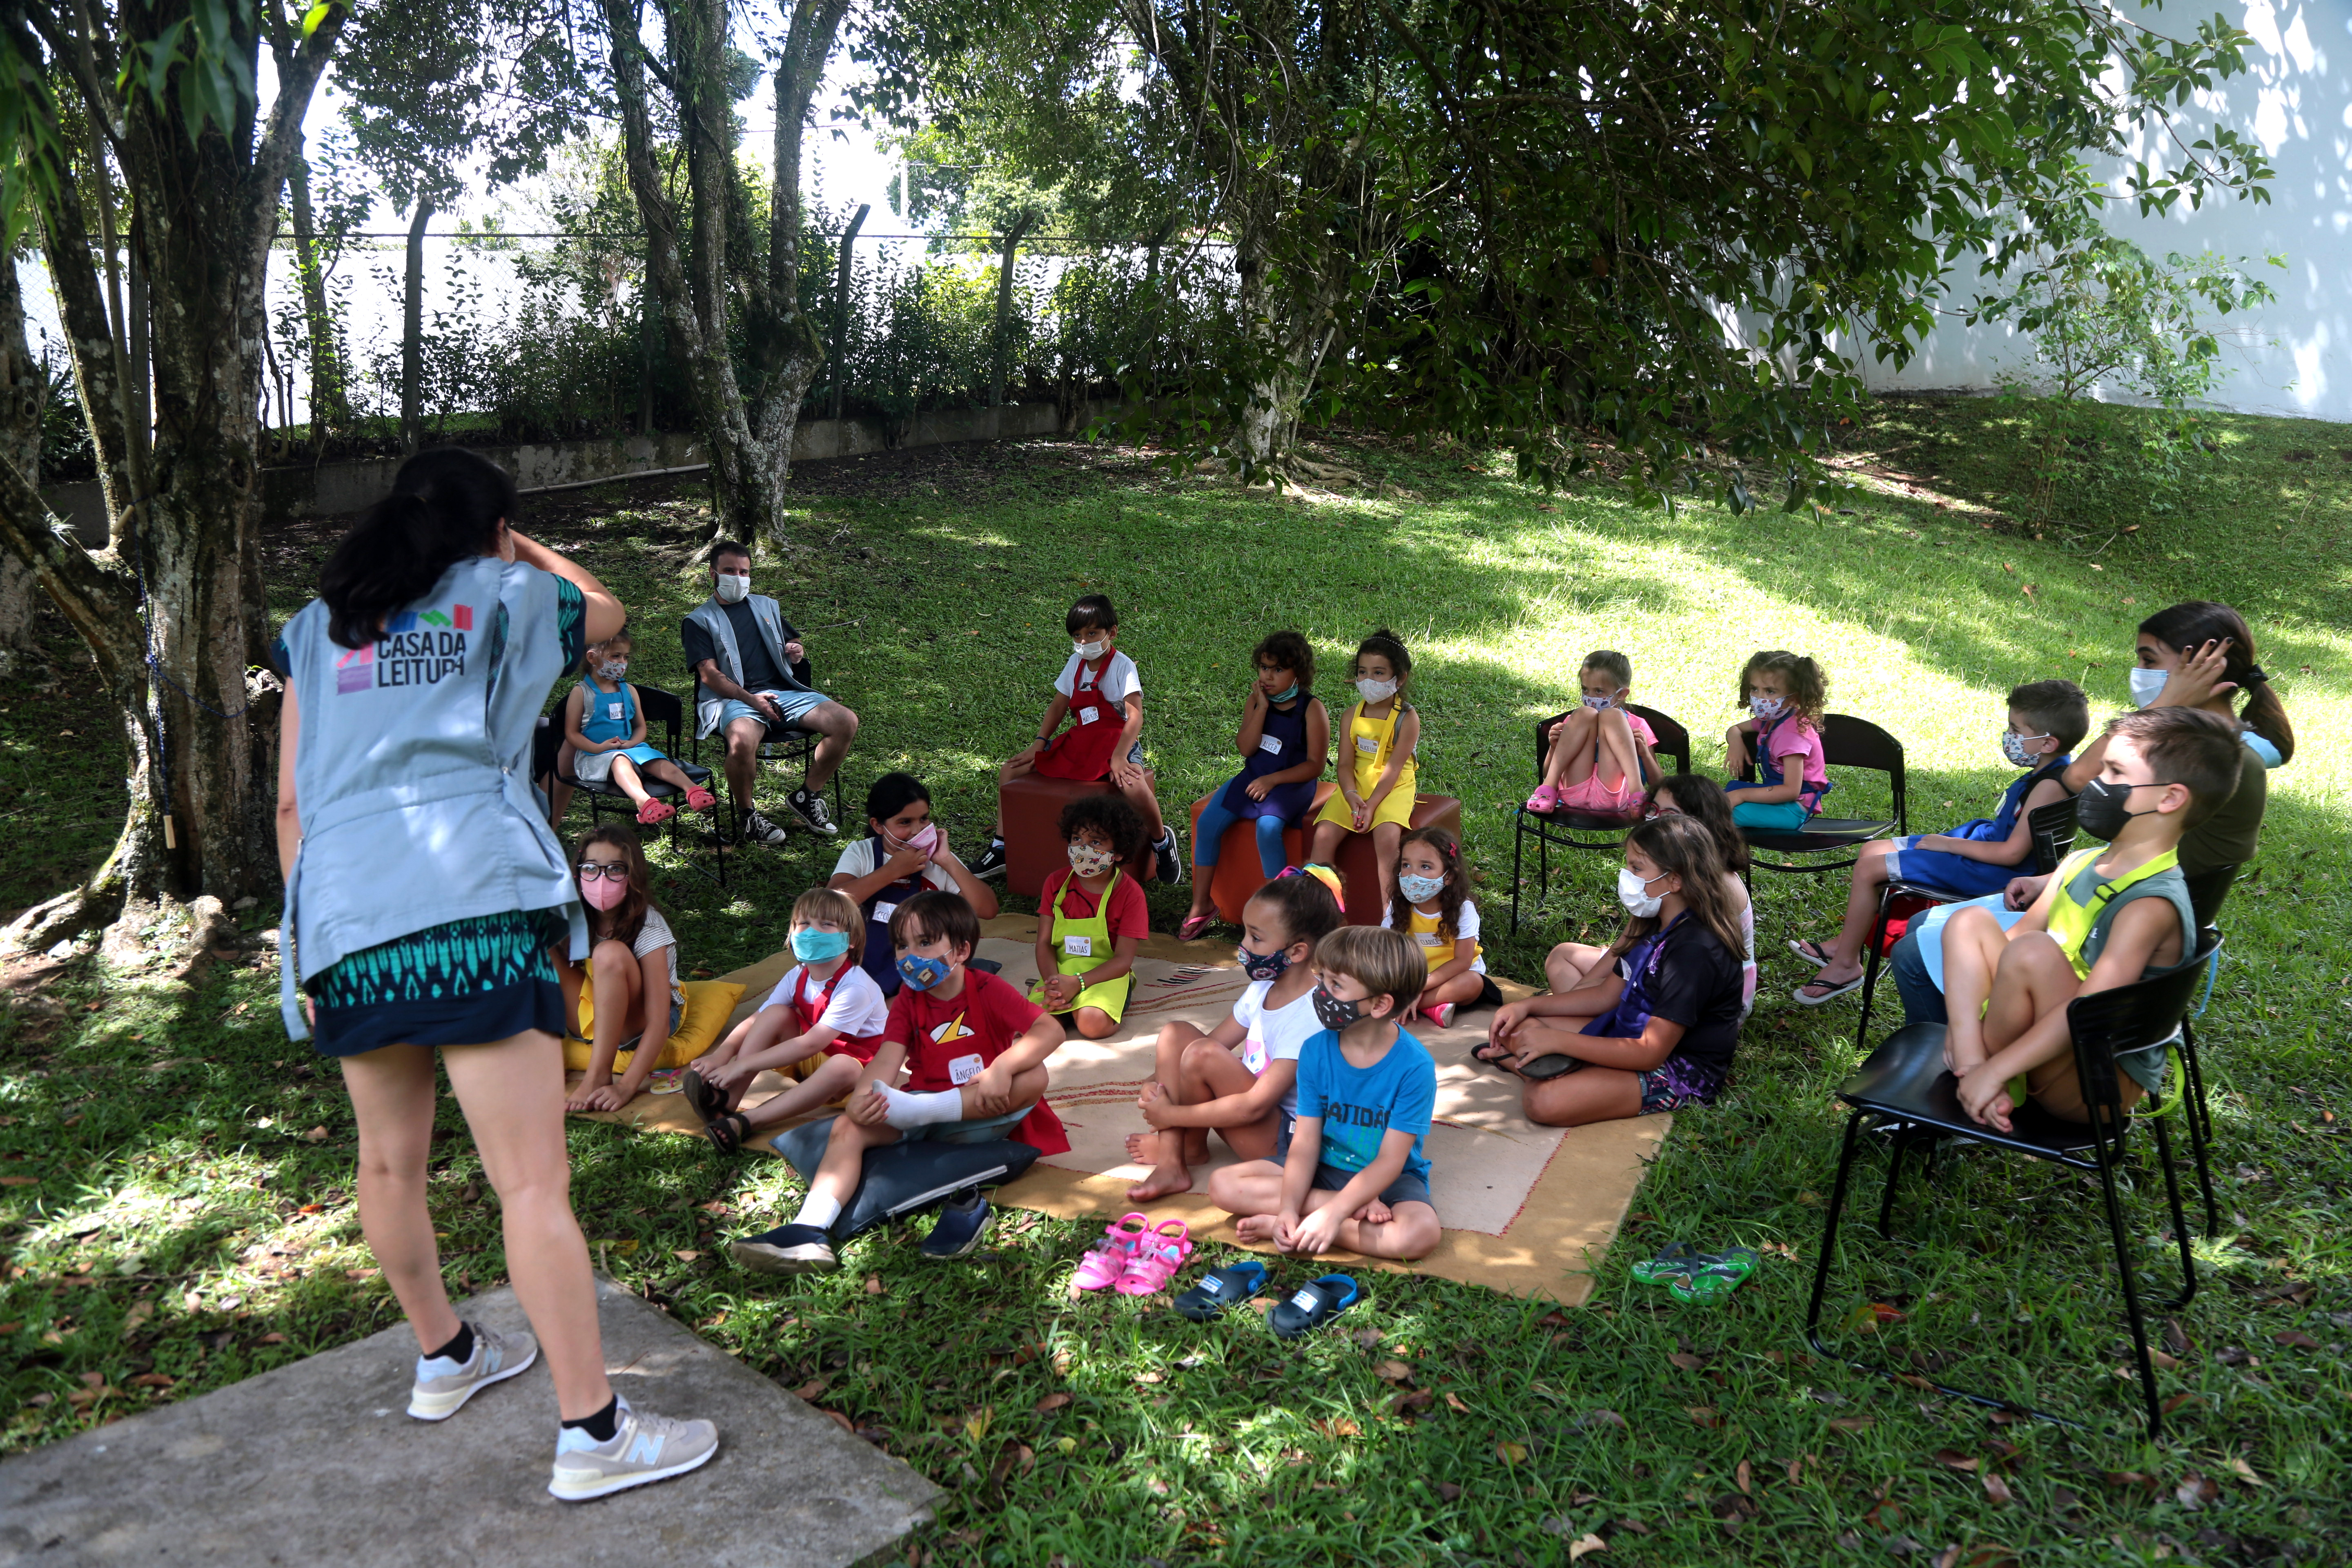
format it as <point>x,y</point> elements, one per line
<point>1429,939</point>
<point>1368,746</point>
<point>1082,946</point>
<point>612,709</point>
<point>1088,715</point>
<point>1270,743</point>
<point>963,1069</point>
<point>883,912</point>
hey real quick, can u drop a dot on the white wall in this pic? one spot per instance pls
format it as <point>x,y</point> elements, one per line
<point>2296,100</point>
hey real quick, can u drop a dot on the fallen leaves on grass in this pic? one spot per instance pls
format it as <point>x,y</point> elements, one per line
<point>1411,1399</point>
<point>2294,1339</point>
<point>1453,1402</point>
<point>1392,1372</point>
<point>1996,1489</point>
<point>1511,1453</point>
<point>1601,1419</point>
<point>1853,1423</point>
<point>1688,1362</point>
<point>2195,1491</point>
<point>1585,1544</point>
<point>2245,1472</point>
<point>813,1387</point>
<point>1953,1459</point>
<point>1705,1416</point>
<point>1732,1511</point>
<point>873,1286</point>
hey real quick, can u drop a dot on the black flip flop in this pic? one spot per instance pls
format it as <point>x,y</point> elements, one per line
<point>1315,1304</point>
<point>728,1132</point>
<point>1546,1068</point>
<point>1220,1289</point>
<point>1478,1052</point>
<point>707,1102</point>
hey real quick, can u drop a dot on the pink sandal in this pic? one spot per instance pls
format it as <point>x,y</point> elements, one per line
<point>1158,1259</point>
<point>655,811</point>
<point>1107,1260</point>
<point>700,799</point>
<point>1545,799</point>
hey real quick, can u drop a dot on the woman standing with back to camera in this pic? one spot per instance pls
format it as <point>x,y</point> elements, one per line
<point>422,887</point>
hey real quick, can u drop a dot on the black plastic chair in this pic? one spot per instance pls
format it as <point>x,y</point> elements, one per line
<point>1846,743</point>
<point>659,708</point>
<point>1904,1085</point>
<point>2053,827</point>
<point>778,743</point>
<point>1565,828</point>
<point>2206,890</point>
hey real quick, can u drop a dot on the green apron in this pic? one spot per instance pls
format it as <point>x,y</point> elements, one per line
<point>1080,945</point>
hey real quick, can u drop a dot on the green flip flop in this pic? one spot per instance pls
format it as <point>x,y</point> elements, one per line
<point>1713,1280</point>
<point>1674,1260</point>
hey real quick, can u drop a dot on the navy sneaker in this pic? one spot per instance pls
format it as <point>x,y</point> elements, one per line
<point>990,865</point>
<point>787,1250</point>
<point>963,1221</point>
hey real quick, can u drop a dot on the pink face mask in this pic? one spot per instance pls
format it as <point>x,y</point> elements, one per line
<point>604,891</point>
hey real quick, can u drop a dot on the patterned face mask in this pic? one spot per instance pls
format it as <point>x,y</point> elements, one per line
<point>1087,860</point>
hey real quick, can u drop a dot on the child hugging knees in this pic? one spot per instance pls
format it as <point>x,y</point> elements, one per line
<point>1598,757</point>
<point>1652,1028</point>
<point>605,725</point>
<point>1349,1173</point>
<point>2108,918</point>
<point>974,1051</point>
<point>1100,691</point>
<point>1285,737</point>
<point>1198,1084</point>
<point>1094,918</point>
<point>826,1007</point>
<point>631,976</point>
<point>2047,719</point>
<point>1784,694</point>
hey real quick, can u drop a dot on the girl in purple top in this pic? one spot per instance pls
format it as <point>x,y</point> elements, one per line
<point>1784,694</point>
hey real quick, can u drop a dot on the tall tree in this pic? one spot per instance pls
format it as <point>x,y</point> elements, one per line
<point>718,287</point>
<point>171,607</point>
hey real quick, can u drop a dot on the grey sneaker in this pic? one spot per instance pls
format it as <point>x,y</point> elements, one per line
<point>443,1385</point>
<point>645,1448</point>
<point>787,1250</point>
<point>758,829</point>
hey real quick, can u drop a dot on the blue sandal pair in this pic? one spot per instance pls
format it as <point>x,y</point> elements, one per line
<point>1314,1304</point>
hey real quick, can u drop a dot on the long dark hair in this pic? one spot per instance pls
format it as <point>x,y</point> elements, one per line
<point>1449,897</point>
<point>1682,847</point>
<point>1702,800</point>
<point>2192,624</point>
<point>444,506</point>
<point>628,916</point>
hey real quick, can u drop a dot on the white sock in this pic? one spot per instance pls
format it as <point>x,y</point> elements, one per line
<point>819,1209</point>
<point>920,1110</point>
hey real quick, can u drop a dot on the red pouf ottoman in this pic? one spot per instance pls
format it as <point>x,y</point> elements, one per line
<point>1034,848</point>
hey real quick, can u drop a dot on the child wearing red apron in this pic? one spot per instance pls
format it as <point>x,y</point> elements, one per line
<point>1100,694</point>
<point>821,1023</point>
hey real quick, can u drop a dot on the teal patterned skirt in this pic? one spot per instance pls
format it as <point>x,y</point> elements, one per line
<point>466,983</point>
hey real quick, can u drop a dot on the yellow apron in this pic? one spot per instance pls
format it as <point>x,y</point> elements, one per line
<point>1081,944</point>
<point>1369,744</point>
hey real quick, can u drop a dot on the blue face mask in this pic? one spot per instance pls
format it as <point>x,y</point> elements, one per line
<point>1290,696</point>
<point>921,972</point>
<point>816,946</point>
<point>1420,890</point>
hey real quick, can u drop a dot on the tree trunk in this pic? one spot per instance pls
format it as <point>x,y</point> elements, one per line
<point>173,610</point>
<point>412,330</point>
<point>331,407</point>
<point>1003,335</point>
<point>843,262</point>
<point>23,390</point>
<point>747,419</point>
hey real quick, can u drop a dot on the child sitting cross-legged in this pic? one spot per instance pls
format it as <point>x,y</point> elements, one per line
<point>1598,757</point>
<point>1350,1172</point>
<point>826,1006</point>
<point>2108,918</point>
<point>1429,901</point>
<point>1652,1027</point>
<point>605,725</point>
<point>1239,1080</point>
<point>974,1051</point>
<point>2047,719</point>
<point>1092,918</point>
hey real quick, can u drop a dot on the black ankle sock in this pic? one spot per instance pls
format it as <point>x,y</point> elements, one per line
<point>603,1423</point>
<point>460,1349</point>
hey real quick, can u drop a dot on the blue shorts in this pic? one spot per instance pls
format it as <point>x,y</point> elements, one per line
<point>793,705</point>
<point>986,1130</point>
<point>1407,1189</point>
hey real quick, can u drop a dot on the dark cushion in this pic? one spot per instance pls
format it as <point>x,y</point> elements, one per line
<point>901,1179</point>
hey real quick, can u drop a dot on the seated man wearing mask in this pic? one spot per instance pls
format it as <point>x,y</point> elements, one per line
<point>753,671</point>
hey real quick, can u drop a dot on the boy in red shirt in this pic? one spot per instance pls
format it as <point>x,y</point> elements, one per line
<point>974,1049</point>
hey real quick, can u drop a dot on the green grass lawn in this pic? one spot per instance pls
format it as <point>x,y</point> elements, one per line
<point>177,1212</point>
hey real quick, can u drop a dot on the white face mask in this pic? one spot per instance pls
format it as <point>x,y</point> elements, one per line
<point>1767,707</point>
<point>1376,690</point>
<point>1635,893</point>
<point>2148,685</point>
<point>734,587</point>
<point>1090,650</point>
<point>615,670</point>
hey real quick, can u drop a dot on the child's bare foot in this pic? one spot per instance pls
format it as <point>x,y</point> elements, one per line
<point>1143,1148</point>
<point>1255,1227</point>
<point>1163,1182</point>
<point>1374,1213</point>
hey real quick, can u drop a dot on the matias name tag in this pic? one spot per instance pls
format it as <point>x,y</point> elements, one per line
<point>963,1069</point>
<point>1270,743</point>
<point>1079,946</point>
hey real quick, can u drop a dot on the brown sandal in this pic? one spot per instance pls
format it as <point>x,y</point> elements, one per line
<point>727,1130</point>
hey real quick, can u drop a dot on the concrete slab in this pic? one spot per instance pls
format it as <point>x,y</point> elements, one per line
<point>318,1463</point>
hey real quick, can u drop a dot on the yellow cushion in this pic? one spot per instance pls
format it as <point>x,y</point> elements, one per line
<point>707,1003</point>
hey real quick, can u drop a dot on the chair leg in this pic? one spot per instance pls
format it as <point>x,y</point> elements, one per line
<point>2199,1114</point>
<point>2180,1220</point>
<point>2108,1148</point>
<point>1830,1235</point>
<point>1904,1138</point>
<point>1519,858</point>
<point>1869,978</point>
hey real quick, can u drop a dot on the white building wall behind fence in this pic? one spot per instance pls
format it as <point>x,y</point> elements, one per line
<point>2293,357</point>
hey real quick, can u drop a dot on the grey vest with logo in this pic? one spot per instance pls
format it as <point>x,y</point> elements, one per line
<point>412,772</point>
<point>711,616</point>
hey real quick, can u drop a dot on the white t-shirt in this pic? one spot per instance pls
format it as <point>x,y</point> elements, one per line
<point>861,858</point>
<point>1276,1034</point>
<point>1119,680</point>
<point>1468,931</point>
<point>856,1009</point>
<point>653,937</point>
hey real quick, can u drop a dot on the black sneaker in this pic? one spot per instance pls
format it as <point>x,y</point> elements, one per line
<point>963,1221</point>
<point>1165,861</point>
<point>758,829</point>
<point>810,808</point>
<point>787,1250</point>
<point>991,863</point>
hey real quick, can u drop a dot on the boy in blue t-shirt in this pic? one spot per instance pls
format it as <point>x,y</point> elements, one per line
<point>1348,1173</point>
